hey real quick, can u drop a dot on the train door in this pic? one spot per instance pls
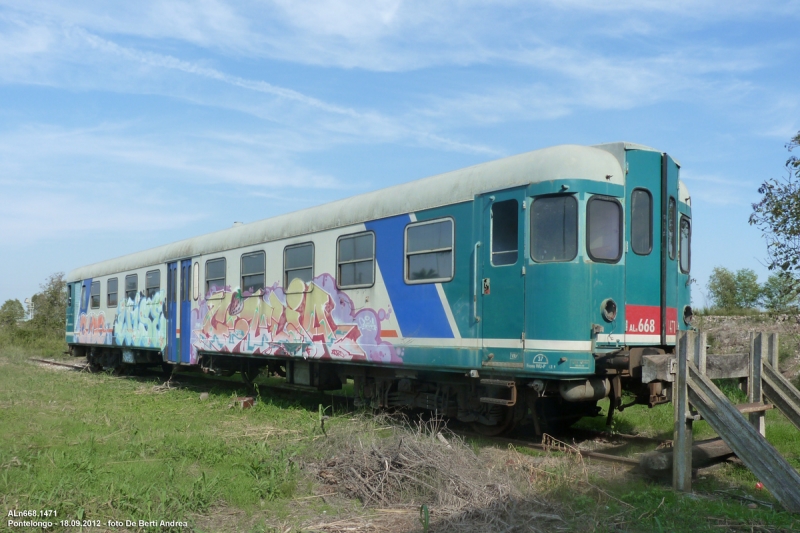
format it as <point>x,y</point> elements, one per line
<point>173,346</point>
<point>651,260</point>
<point>186,310</point>
<point>502,281</point>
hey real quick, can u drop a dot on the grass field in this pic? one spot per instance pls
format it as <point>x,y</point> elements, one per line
<point>98,447</point>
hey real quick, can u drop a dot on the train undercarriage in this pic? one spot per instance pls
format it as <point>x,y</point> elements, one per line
<point>492,403</point>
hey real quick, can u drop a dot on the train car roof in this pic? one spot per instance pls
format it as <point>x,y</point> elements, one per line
<point>557,162</point>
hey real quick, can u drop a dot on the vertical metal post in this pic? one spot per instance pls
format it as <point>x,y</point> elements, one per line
<point>754,392</point>
<point>682,436</point>
<point>772,350</point>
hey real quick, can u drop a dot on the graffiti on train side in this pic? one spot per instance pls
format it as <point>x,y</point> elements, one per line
<point>141,322</point>
<point>311,320</point>
<point>92,328</point>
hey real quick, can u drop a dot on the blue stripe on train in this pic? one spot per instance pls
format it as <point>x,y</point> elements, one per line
<point>418,308</point>
<point>85,295</point>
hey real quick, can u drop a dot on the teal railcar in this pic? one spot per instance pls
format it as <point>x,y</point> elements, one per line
<point>526,288</point>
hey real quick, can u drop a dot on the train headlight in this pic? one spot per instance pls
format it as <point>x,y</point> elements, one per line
<point>688,315</point>
<point>609,309</point>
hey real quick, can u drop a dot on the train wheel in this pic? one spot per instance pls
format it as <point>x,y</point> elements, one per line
<point>504,417</point>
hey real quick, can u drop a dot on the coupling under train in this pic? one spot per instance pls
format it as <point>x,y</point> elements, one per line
<point>526,288</point>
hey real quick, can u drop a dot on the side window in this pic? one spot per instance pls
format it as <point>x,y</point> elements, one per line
<point>95,295</point>
<point>505,232</point>
<point>671,227</point>
<point>641,221</point>
<point>554,229</point>
<point>686,244</point>
<point>298,263</point>
<point>152,283</point>
<point>131,286</point>
<point>429,251</point>
<point>69,295</point>
<point>111,292</point>
<point>253,267</point>
<point>215,276</point>
<point>196,280</point>
<point>604,229</point>
<point>355,258</point>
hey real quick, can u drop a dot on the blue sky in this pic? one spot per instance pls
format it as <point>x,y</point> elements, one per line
<point>128,125</point>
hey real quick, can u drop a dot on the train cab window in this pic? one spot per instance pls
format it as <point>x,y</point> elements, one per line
<point>253,267</point>
<point>554,229</point>
<point>604,229</point>
<point>641,221</point>
<point>152,283</point>
<point>429,251</point>
<point>298,263</point>
<point>505,232</point>
<point>215,276</point>
<point>111,292</point>
<point>686,244</point>
<point>131,286</point>
<point>95,295</point>
<point>69,295</point>
<point>671,227</point>
<point>356,260</point>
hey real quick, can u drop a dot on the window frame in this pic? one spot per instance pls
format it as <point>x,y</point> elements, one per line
<point>339,262</point>
<point>109,293</point>
<point>573,197</point>
<point>224,277</point>
<point>263,273</point>
<point>95,283</point>
<point>452,250</point>
<point>286,271</point>
<point>620,219</point>
<point>147,287</point>
<point>136,287</point>
<point>492,253</point>
<point>680,248</point>
<point>650,222</point>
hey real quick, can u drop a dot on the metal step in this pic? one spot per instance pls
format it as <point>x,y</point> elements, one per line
<point>782,393</point>
<point>778,476</point>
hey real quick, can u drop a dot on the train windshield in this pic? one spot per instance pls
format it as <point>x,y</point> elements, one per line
<point>604,229</point>
<point>554,229</point>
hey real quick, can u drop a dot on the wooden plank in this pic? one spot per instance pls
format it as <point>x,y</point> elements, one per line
<point>778,476</point>
<point>704,454</point>
<point>727,366</point>
<point>754,407</point>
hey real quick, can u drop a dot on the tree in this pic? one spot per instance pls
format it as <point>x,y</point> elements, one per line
<point>779,293</point>
<point>50,305</point>
<point>734,291</point>
<point>11,312</point>
<point>722,288</point>
<point>748,291</point>
<point>777,215</point>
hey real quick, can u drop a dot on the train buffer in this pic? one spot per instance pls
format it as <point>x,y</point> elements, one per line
<point>742,428</point>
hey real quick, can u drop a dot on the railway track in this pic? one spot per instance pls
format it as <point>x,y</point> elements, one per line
<point>574,435</point>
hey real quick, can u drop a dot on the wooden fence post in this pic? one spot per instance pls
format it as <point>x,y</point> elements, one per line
<point>682,435</point>
<point>754,389</point>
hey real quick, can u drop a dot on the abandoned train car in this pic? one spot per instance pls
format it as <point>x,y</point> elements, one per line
<point>527,287</point>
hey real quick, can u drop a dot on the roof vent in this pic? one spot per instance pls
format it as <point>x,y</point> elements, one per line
<point>237,223</point>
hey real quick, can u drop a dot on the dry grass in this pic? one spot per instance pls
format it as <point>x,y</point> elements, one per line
<point>401,472</point>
